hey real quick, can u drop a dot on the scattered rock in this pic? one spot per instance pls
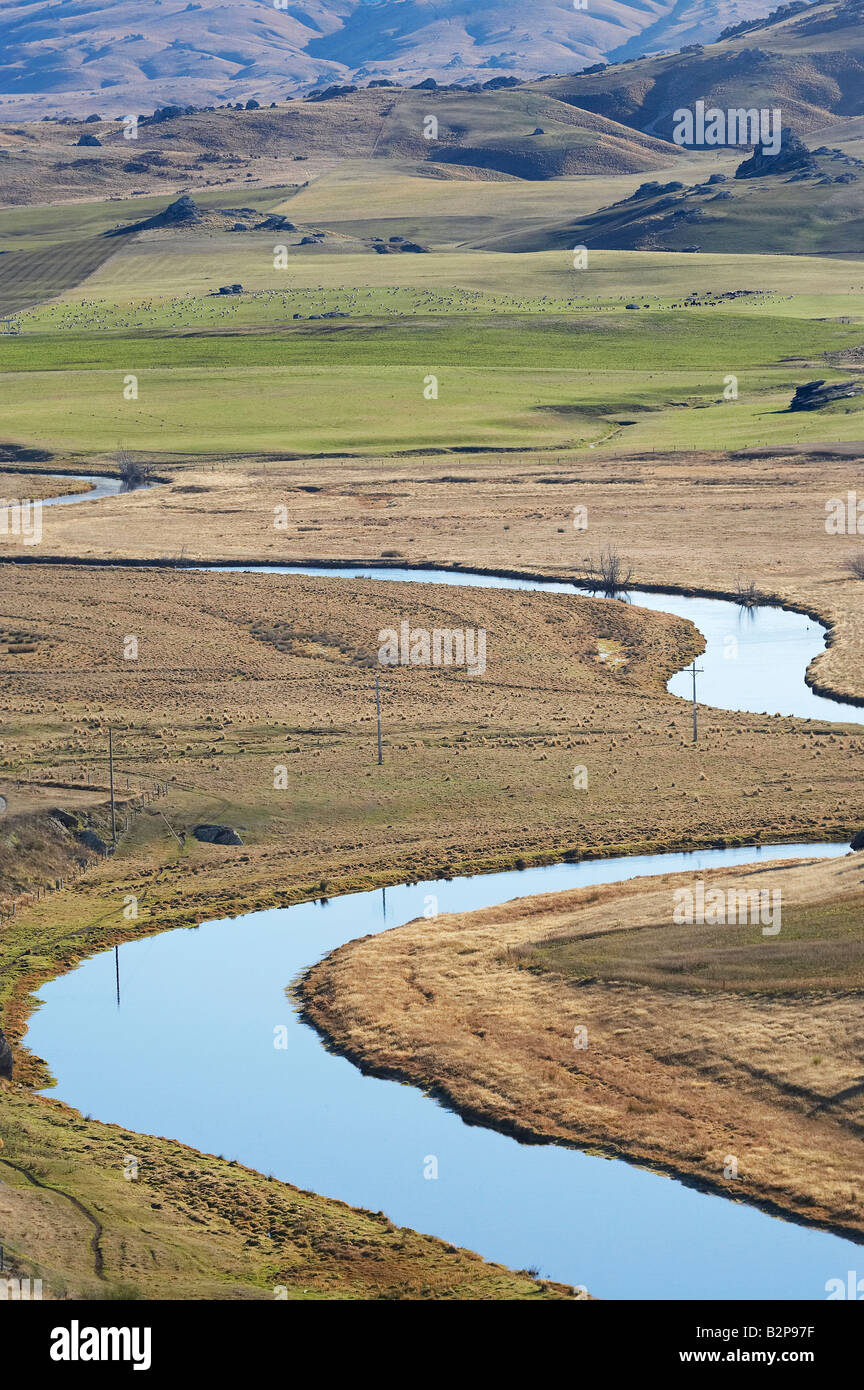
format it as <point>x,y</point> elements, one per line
<point>230,289</point>
<point>652,188</point>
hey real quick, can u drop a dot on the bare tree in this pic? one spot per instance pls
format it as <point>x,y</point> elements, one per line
<point>855,565</point>
<point>133,472</point>
<point>609,573</point>
<point>746,592</point>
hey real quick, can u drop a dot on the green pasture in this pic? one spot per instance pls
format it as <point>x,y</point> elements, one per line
<point>663,341</point>
<point>159,285</point>
<point>380,409</point>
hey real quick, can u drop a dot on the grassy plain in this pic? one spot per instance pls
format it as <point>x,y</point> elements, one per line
<point>527,352</point>
<point>337,410</point>
<point>378,198</point>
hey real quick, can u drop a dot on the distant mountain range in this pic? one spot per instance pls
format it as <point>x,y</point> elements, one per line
<point>72,55</point>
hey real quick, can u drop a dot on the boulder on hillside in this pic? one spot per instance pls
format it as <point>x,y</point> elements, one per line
<point>216,835</point>
<point>88,140</point>
<point>330,92</point>
<point>90,840</point>
<point>858,841</point>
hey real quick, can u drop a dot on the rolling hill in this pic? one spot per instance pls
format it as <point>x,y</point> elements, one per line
<point>508,133</point>
<point>809,63</point>
<point>815,209</point>
<point>78,56</point>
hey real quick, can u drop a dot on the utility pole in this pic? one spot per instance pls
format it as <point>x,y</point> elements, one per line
<point>378,714</point>
<point>378,689</point>
<point>695,671</point>
<point>111,778</point>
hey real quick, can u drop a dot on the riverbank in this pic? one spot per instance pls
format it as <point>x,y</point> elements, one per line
<point>100,1213</point>
<point>605,1049</point>
<point>17,484</point>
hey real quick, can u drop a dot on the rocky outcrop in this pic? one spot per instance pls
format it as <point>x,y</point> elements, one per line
<point>275,223</point>
<point>793,157</point>
<point>177,214</point>
<point>858,842</point>
<point>817,393</point>
<point>183,212</point>
<point>5,1058</point>
<point>217,835</point>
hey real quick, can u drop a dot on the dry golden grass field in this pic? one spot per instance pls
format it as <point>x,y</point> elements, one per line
<point>482,1009</point>
<point>704,521</point>
<point>16,486</point>
<point>238,675</point>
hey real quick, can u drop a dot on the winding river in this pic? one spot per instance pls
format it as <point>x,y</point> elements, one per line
<point>190,1050</point>
<point>99,486</point>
